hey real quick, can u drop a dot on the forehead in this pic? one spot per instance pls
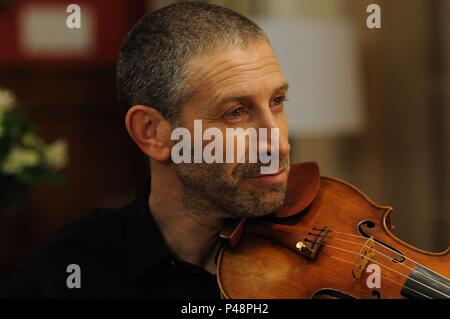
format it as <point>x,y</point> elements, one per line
<point>251,70</point>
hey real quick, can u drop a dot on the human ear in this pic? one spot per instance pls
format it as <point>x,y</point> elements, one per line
<point>150,131</point>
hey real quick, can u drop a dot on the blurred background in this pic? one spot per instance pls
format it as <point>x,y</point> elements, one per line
<point>371,106</point>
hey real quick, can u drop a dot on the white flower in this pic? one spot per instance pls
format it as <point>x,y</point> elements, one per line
<point>18,159</point>
<point>7,101</point>
<point>30,139</point>
<point>56,154</point>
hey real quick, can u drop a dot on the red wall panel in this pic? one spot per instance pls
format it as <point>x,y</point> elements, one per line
<point>112,21</point>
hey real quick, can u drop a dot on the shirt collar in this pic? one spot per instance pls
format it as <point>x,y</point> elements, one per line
<point>145,244</point>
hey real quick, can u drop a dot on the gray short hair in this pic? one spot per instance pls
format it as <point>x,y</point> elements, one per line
<point>152,66</point>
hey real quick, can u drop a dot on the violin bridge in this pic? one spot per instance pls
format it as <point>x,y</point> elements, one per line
<point>365,255</point>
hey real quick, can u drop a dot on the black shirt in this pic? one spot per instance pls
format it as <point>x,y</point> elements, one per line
<point>120,253</point>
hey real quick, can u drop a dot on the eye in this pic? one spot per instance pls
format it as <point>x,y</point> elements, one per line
<point>278,101</point>
<point>238,112</point>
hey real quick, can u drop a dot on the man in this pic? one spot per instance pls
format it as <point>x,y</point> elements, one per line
<point>186,62</point>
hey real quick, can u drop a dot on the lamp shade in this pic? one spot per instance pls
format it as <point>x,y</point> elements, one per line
<point>320,61</point>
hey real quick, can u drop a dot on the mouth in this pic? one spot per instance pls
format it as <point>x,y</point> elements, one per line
<point>279,177</point>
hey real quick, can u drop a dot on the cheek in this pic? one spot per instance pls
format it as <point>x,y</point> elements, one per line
<point>234,173</point>
<point>283,121</point>
<point>217,171</point>
<point>283,125</point>
<point>229,168</point>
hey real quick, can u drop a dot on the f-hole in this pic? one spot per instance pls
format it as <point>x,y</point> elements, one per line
<point>371,224</point>
<point>376,294</point>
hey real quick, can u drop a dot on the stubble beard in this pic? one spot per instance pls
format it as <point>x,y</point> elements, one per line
<point>206,190</point>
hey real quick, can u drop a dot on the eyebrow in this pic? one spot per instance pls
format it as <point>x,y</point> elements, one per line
<point>236,97</point>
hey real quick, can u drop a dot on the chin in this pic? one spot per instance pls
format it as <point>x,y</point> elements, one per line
<point>255,202</point>
<point>270,201</point>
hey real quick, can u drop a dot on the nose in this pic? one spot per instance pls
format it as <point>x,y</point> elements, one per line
<point>285,147</point>
<point>278,121</point>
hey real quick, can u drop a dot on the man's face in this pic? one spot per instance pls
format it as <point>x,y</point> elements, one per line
<point>237,88</point>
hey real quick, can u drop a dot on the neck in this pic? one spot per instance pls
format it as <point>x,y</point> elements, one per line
<point>190,231</point>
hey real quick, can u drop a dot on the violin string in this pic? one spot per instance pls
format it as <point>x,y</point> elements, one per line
<point>380,253</point>
<point>387,267</point>
<point>384,246</point>
<point>392,250</point>
<point>385,277</point>
<point>371,259</point>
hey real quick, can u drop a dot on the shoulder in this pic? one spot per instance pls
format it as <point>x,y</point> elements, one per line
<point>95,245</point>
<point>100,229</point>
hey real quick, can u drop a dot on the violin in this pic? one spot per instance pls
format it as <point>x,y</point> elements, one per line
<point>328,240</point>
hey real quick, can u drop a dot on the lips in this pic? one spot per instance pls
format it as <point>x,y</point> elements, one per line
<point>264,175</point>
<point>268,179</point>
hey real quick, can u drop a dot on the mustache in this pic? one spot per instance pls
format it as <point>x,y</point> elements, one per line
<point>246,170</point>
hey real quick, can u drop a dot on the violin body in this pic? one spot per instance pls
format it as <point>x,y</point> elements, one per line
<point>329,240</point>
